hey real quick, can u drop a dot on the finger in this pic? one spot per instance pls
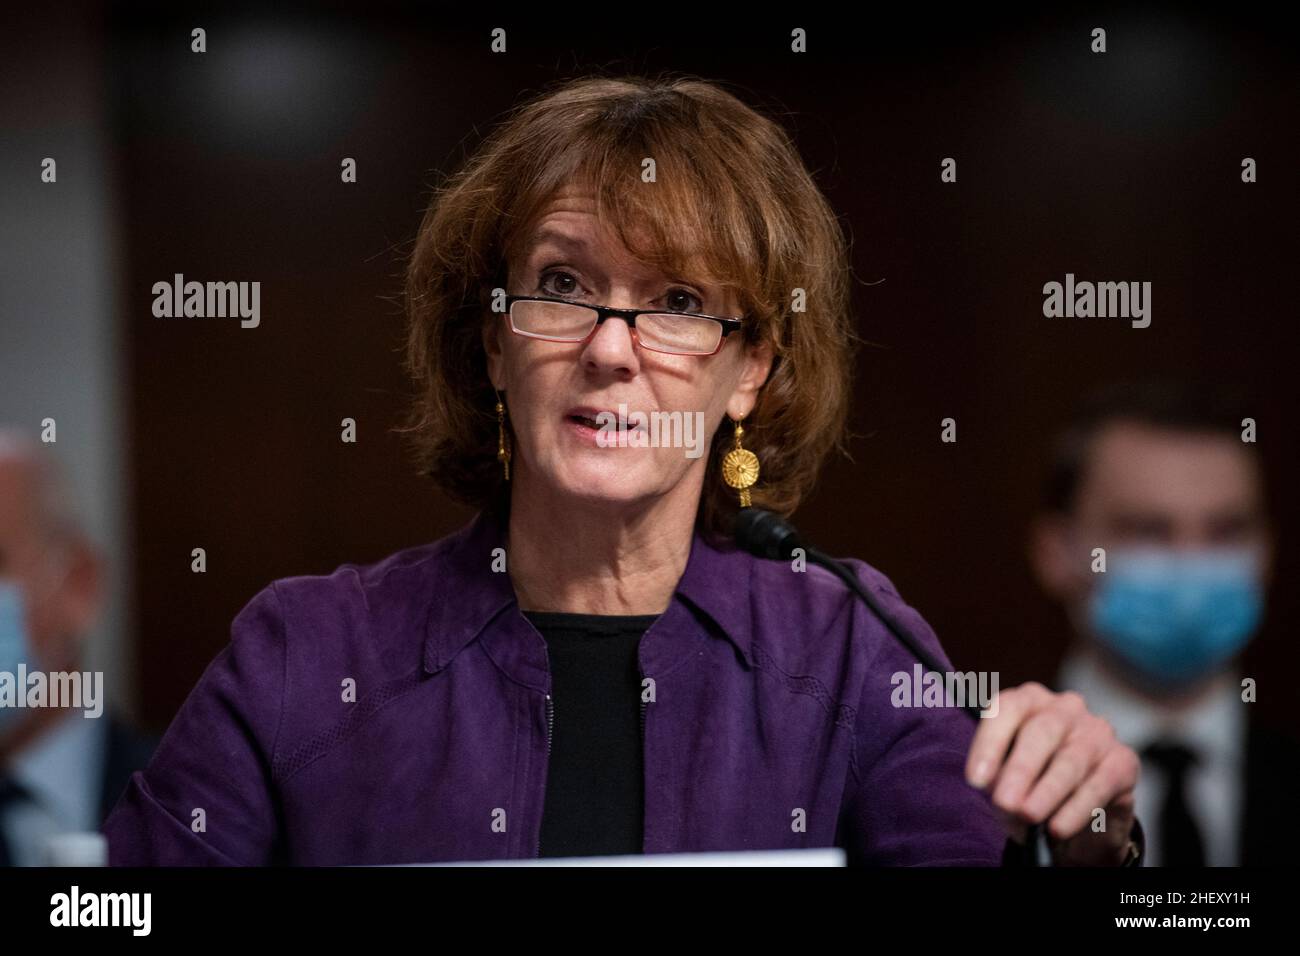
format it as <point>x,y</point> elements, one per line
<point>1039,738</point>
<point>1113,778</point>
<point>994,735</point>
<point>1070,766</point>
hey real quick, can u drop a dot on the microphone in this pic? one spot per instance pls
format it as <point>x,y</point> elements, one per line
<point>767,535</point>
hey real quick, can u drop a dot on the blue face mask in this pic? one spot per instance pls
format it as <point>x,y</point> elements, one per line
<point>15,645</point>
<point>1176,616</point>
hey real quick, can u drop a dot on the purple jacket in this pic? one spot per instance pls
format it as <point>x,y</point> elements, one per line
<point>771,725</point>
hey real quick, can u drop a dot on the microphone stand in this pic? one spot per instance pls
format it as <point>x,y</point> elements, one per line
<point>767,535</point>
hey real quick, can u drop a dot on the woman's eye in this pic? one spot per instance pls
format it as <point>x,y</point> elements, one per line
<point>680,300</point>
<point>562,288</point>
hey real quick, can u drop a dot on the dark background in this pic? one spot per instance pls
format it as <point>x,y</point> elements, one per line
<point>1122,166</point>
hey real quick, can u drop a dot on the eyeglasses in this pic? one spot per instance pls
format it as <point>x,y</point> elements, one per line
<point>677,333</point>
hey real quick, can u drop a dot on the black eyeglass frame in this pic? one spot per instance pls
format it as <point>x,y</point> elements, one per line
<point>604,312</point>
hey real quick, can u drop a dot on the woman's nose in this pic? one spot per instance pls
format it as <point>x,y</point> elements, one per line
<point>611,343</point>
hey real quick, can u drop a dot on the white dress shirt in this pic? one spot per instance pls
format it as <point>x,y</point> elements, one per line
<point>62,771</point>
<point>1214,728</point>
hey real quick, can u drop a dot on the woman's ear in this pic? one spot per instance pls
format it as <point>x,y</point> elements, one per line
<point>757,367</point>
<point>492,348</point>
<point>763,356</point>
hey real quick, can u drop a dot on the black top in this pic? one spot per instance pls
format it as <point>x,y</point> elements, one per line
<point>595,789</point>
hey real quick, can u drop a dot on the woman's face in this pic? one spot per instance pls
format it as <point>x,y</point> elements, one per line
<point>570,256</point>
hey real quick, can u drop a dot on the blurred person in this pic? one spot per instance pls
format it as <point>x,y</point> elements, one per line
<point>61,768</point>
<point>1158,475</point>
<point>590,666</point>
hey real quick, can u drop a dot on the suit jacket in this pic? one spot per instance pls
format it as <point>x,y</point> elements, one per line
<point>1266,829</point>
<point>1269,835</point>
<point>123,750</point>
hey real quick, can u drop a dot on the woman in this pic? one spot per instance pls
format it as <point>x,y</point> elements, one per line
<point>589,667</point>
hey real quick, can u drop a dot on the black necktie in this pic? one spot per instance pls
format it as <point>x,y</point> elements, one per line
<point>10,792</point>
<point>1180,837</point>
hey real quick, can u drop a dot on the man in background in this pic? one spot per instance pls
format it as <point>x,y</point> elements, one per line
<point>1160,479</point>
<point>60,770</point>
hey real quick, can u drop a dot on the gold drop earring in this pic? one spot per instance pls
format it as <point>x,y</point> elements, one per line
<point>740,468</point>
<point>503,444</point>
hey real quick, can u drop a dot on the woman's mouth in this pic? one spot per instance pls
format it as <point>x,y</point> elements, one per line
<point>599,426</point>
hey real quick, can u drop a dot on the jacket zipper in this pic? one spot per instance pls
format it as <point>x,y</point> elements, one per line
<point>643,709</point>
<point>550,724</point>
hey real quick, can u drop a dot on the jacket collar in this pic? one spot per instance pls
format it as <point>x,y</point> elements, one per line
<point>716,585</point>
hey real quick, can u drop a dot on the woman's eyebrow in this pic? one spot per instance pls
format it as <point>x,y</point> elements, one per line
<point>555,236</point>
<point>578,245</point>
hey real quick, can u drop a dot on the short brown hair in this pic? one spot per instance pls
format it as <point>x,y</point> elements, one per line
<point>732,199</point>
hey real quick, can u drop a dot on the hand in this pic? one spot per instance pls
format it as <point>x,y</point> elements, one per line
<point>1064,764</point>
